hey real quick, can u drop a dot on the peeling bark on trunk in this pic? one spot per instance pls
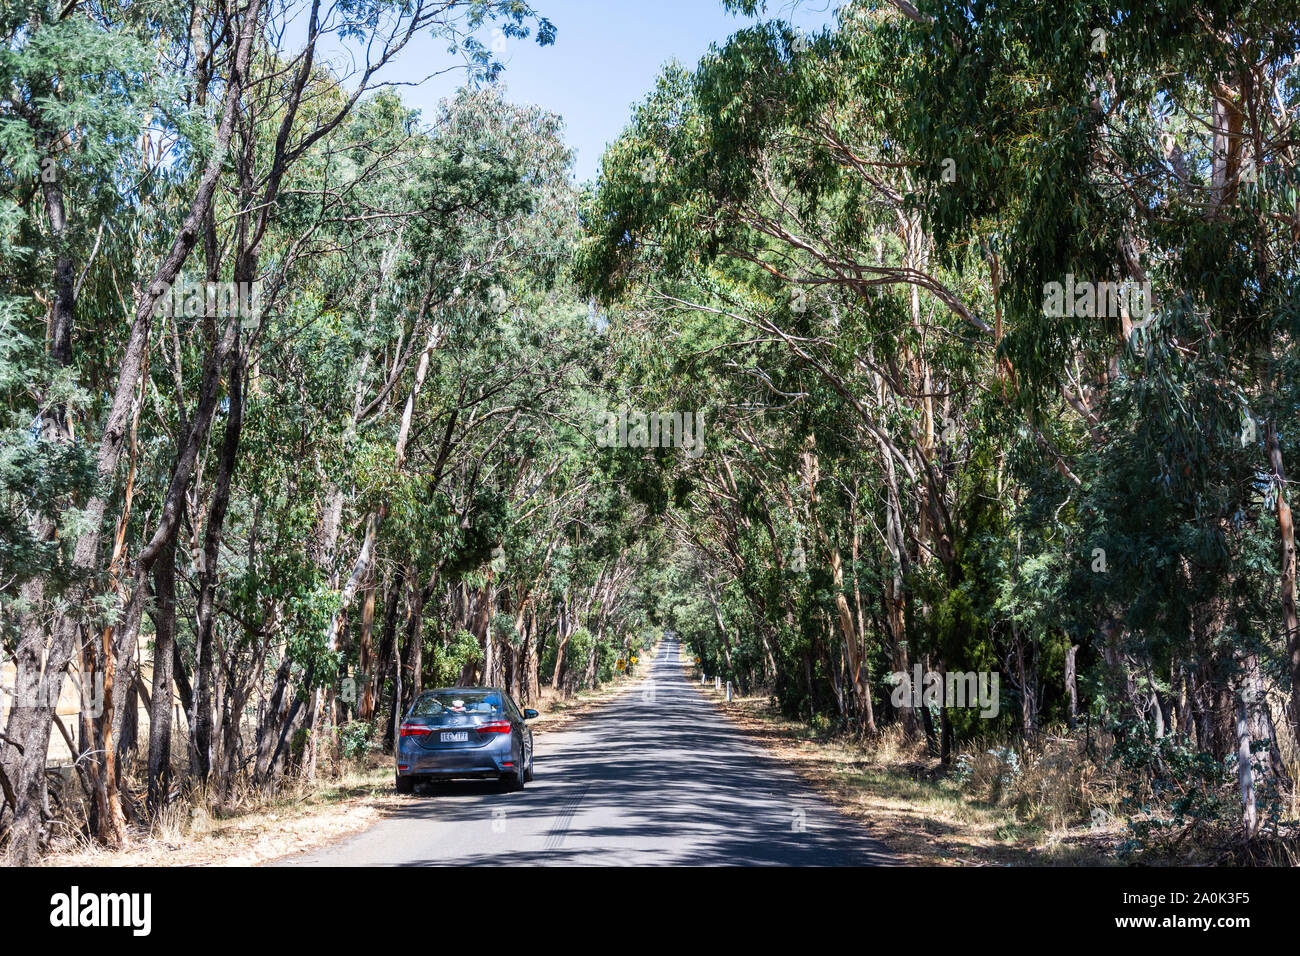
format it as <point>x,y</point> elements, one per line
<point>1072,685</point>
<point>365,655</point>
<point>532,688</point>
<point>564,630</point>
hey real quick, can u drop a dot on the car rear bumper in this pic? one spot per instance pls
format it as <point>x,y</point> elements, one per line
<point>490,761</point>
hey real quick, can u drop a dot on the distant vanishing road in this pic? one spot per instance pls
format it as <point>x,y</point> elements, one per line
<point>656,776</point>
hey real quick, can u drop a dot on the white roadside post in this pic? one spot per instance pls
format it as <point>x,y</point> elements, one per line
<point>717,682</point>
<point>728,692</point>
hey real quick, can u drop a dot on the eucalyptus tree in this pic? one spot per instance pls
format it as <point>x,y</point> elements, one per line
<point>30,720</point>
<point>196,144</point>
<point>1148,145</point>
<point>904,203</point>
<point>757,180</point>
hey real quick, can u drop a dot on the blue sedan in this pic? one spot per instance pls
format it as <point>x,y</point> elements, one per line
<point>472,732</point>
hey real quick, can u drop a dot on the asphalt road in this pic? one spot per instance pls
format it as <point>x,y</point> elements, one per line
<point>656,776</point>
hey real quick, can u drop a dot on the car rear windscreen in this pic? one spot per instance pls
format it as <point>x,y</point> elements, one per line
<point>438,703</point>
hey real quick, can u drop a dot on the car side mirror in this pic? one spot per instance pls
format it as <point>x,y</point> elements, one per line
<point>530,714</point>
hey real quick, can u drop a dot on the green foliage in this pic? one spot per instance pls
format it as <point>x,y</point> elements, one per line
<point>841,246</point>
<point>832,250</point>
<point>1171,786</point>
<point>354,739</point>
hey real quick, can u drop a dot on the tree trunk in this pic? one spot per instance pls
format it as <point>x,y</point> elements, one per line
<point>894,596</point>
<point>365,658</point>
<point>392,607</point>
<point>129,742</point>
<point>164,660</point>
<point>531,682</point>
<point>203,717</point>
<point>277,712</point>
<point>564,631</point>
<point>1286,579</point>
<point>1072,686</point>
<point>1245,772</point>
<point>414,642</point>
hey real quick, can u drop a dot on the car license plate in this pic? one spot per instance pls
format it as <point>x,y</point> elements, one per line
<point>456,737</point>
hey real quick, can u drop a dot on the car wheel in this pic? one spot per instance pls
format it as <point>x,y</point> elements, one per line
<point>516,780</point>
<point>528,773</point>
<point>405,785</point>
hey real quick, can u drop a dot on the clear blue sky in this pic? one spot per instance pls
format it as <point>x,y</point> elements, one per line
<point>606,57</point>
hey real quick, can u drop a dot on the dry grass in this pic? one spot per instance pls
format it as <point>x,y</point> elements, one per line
<point>978,815</point>
<point>253,828</point>
<point>1054,804</point>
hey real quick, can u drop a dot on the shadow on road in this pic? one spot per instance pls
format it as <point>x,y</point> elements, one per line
<point>650,778</point>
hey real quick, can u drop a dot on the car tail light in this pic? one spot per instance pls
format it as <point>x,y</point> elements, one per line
<point>496,727</point>
<point>415,730</point>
